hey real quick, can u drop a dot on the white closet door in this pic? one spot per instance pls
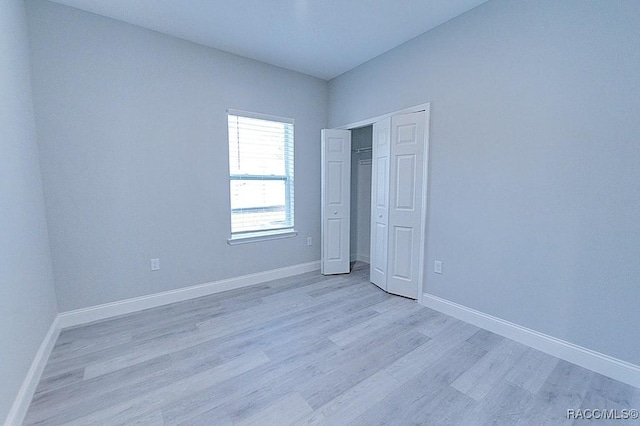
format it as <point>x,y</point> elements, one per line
<point>336,201</point>
<point>406,192</point>
<point>381,145</point>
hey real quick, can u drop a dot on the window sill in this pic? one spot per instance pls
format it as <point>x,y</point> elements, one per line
<point>255,237</point>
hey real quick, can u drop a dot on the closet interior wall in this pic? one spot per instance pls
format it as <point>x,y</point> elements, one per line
<point>361,142</point>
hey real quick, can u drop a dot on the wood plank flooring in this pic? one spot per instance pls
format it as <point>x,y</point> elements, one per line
<point>309,350</point>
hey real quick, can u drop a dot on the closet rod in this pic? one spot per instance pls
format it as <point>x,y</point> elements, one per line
<point>359,150</point>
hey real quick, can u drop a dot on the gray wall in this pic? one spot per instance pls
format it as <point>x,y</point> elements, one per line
<point>27,298</point>
<point>534,191</point>
<point>361,195</point>
<point>135,158</point>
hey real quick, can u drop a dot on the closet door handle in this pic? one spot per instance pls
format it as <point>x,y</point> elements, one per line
<point>335,212</point>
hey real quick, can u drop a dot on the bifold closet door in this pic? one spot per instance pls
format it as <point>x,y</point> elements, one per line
<point>406,193</point>
<point>398,203</point>
<point>381,145</point>
<point>336,201</point>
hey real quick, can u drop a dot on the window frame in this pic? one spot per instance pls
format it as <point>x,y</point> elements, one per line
<point>288,179</point>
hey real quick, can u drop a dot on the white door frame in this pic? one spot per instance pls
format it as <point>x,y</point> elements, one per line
<point>369,121</point>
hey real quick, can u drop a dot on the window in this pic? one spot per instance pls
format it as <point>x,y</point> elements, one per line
<point>260,175</point>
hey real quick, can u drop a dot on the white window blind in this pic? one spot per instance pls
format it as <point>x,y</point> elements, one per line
<point>261,173</point>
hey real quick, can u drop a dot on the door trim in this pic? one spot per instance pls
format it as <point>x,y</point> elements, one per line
<point>369,121</point>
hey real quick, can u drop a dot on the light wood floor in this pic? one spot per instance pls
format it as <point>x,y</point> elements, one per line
<point>308,350</point>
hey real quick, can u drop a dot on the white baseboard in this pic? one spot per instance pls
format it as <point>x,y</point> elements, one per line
<point>360,258</point>
<point>108,310</point>
<point>94,313</point>
<point>25,394</point>
<point>587,358</point>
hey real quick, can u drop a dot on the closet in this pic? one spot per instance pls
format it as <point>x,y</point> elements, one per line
<point>391,174</point>
<point>360,237</point>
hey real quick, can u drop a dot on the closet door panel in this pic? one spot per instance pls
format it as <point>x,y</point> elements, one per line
<point>380,202</point>
<point>405,212</point>
<point>405,182</point>
<point>336,201</point>
<point>402,247</point>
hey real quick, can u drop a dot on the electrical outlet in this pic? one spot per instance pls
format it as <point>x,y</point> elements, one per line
<point>437,267</point>
<point>155,264</point>
<point>309,241</point>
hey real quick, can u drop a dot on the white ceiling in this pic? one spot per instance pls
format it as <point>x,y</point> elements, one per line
<point>323,38</point>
